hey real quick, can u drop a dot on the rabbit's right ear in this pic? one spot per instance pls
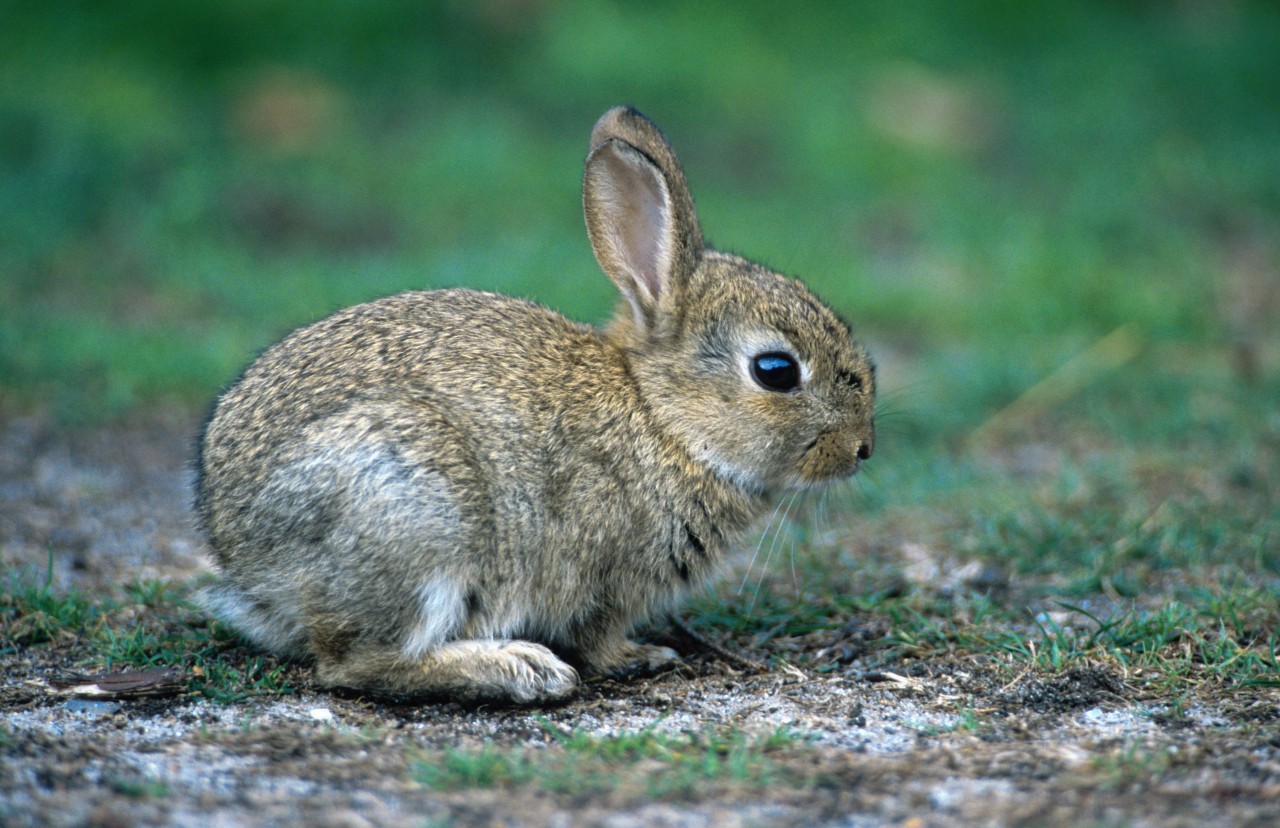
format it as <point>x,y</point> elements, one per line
<point>639,213</point>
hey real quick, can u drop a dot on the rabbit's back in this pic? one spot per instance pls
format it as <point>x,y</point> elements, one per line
<point>473,348</point>
<point>482,362</point>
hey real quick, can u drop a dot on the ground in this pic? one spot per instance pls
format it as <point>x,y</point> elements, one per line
<point>802,729</point>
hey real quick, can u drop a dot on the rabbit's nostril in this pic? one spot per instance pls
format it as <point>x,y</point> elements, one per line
<point>864,451</point>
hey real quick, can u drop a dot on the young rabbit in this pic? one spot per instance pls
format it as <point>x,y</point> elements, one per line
<point>428,491</point>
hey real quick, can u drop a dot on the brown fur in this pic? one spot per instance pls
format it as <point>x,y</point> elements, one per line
<point>416,489</point>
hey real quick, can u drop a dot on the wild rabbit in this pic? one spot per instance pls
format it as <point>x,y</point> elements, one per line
<point>426,492</point>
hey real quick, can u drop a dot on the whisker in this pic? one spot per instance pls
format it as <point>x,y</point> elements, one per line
<point>791,552</point>
<point>838,504</point>
<point>764,533</point>
<point>800,522</point>
<point>901,393</point>
<point>787,503</point>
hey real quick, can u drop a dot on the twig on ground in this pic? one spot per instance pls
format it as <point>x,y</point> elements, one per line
<point>160,681</point>
<point>717,650</point>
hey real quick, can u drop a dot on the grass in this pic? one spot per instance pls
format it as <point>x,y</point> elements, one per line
<point>139,788</point>
<point>34,614</point>
<point>978,183</point>
<point>155,625</point>
<point>1171,647</point>
<point>1163,569</point>
<point>967,721</point>
<point>650,762</point>
<point>1132,765</point>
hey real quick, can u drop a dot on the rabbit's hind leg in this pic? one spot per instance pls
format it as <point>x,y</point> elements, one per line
<point>619,657</point>
<point>603,649</point>
<point>467,670</point>
<point>432,655</point>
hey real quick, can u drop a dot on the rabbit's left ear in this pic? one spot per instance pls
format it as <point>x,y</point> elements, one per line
<point>640,217</point>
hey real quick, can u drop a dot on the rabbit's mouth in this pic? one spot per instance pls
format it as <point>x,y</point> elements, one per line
<point>829,457</point>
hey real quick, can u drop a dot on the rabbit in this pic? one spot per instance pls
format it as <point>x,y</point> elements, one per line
<point>461,495</point>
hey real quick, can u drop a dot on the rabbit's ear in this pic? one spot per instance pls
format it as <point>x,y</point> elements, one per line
<point>639,214</point>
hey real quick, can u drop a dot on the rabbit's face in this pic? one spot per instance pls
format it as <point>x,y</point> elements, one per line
<point>762,381</point>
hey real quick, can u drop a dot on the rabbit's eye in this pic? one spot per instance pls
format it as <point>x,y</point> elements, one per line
<point>776,371</point>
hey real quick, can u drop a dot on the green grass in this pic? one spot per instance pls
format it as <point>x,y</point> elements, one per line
<point>647,762</point>
<point>1162,567</point>
<point>991,186</point>
<point>32,613</point>
<point>1202,644</point>
<point>154,625</point>
<point>967,721</point>
<point>139,788</point>
<point>1132,765</point>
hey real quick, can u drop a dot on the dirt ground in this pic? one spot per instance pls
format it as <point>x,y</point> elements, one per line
<point>946,742</point>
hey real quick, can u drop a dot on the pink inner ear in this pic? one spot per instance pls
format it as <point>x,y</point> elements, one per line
<point>637,203</point>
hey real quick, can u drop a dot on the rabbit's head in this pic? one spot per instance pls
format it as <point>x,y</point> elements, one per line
<point>758,378</point>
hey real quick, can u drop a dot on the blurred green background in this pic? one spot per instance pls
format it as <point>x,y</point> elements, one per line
<point>986,189</point>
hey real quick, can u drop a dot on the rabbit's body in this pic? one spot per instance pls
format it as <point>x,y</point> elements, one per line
<point>417,489</point>
<point>380,513</point>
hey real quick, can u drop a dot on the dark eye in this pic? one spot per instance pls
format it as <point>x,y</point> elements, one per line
<point>776,371</point>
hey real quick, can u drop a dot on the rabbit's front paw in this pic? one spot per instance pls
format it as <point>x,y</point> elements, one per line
<point>534,673</point>
<point>518,672</point>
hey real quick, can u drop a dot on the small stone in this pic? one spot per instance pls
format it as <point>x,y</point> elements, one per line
<point>91,707</point>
